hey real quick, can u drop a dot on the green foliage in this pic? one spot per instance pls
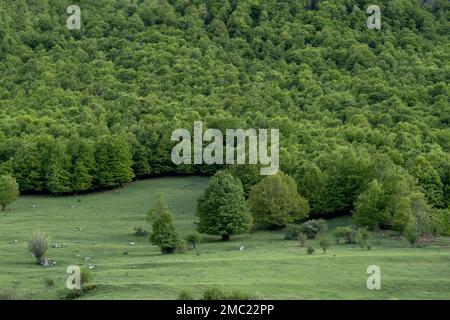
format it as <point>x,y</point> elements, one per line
<point>222,209</point>
<point>186,295</point>
<point>193,238</point>
<point>163,230</point>
<point>275,201</point>
<point>216,292</point>
<point>310,250</point>
<point>86,275</point>
<point>361,237</point>
<point>302,239</point>
<point>140,231</point>
<point>312,227</point>
<point>9,191</point>
<point>291,232</point>
<point>38,247</point>
<point>411,232</point>
<point>347,233</point>
<point>324,243</point>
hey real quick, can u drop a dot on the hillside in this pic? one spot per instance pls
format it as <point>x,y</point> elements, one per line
<point>94,108</point>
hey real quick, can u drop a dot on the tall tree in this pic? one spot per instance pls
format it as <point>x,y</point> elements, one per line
<point>9,191</point>
<point>222,210</point>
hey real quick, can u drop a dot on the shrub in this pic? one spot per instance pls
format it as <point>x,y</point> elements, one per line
<point>193,238</point>
<point>140,231</point>
<point>218,293</point>
<point>310,250</point>
<point>324,244</point>
<point>49,282</point>
<point>86,275</point>
<point>312,227</point>
<point>348,233</point>
<point>411,233</point>
<point>214,293</point>
<point>302,239</point>
<point>7,294</point>
<point>38,247</point>
<point>361,237</point>
<point>186,295</point>
<point>291,232</point>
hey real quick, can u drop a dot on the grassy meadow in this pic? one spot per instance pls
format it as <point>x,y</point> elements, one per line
<point>98,229</point>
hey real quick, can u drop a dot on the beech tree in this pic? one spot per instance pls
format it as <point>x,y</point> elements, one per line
<point>222,210</point>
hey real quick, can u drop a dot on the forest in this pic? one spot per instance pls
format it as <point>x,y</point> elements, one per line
<point>364,115</point>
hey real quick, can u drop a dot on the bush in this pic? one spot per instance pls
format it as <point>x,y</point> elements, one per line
<point>312,227</point>
<point>411,233</point>
<point>310,250</point>
<point>348,233</point>
<point>215,293</point>
<point>218,293</point>
<point>361,237</point>
<point>140,231</point>
<point>193,238</point>
<point>324,244</point>
<point>186,295</point>
<point>86,275</point>
<point>38,247</point>
<point>7,294</point>
<point>291,232</point>
<point>302,239</point>
<point>49,282</point>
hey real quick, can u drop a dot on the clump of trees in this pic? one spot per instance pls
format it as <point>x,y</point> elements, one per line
<point>9,191</point>
<point>163,232</point>
<point>222,209</point>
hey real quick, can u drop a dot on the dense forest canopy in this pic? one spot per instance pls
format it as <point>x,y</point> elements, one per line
<point>94,108</point>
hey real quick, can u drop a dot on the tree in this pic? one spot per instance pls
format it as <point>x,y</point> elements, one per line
<point>222,210</point>
<point>163,230</point>
<point>369,205</point>
<point>275,201</point>
<point>411,232</point>
<point>9,191</point>
<point>324,244</point>
<point>193,238</point>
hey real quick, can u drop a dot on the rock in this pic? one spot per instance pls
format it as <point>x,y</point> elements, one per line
<point>132,243</point>
<point>92,266</point>
<point>87,258</point>
<point>241,248</point>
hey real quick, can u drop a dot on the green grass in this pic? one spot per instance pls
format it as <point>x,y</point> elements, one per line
<point>269,266</point>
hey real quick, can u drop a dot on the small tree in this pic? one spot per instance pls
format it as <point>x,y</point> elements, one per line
<point>163,230</point>
<point>275,201</point>
<point>411,233</point>
<point>9,191</point>
<point>302,239</point>
<point>38,247</point>
<point>193,238</point>
<point>324,244</point>
<point>222,209</point>
<point>361,237</point>
<point>291,232</point>
<point>312,227</point>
